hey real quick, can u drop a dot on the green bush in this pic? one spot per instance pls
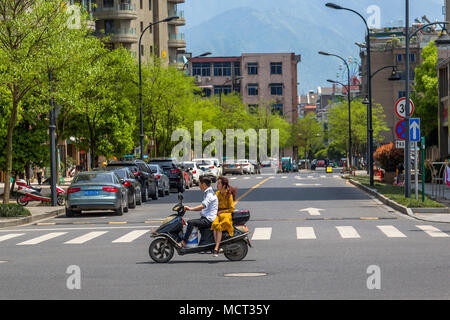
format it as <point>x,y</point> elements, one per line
<point>13,210</point>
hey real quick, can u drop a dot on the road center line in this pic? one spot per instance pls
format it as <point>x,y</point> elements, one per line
<point>251,189</point>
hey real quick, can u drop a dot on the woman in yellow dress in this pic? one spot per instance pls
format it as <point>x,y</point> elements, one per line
<point>224,220</point>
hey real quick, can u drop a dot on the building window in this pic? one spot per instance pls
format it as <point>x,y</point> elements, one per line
<point>222,69</point>
<point>108,3</point>
<point>237,69</point>
<point>150,5</point>
<point>151,49</point>
<point>109,26</point>
<point>142,26</point>
<point>399,58</point>
<point>276,68</point>
<point>201,69</point>
<point>412,57</point>
<point>252,89</point>
<point>222,90</point>
<point>277,109</point>
<point>276,89</point>
<point>252,68</point>
<point>141,4</point>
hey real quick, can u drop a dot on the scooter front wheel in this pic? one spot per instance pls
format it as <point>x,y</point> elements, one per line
<point>60,200</point>
<point>21,200</point>
<point>161,250</point>
<point>236,251</point>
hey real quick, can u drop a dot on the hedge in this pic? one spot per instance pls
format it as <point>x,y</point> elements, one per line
<point>13,210</point>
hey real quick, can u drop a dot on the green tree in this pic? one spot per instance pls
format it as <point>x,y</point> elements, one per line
<point>425,96</point>
<point>308,132</point>
<point>35,39</point>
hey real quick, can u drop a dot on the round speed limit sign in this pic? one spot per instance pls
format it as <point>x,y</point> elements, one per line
<point>400,108</point>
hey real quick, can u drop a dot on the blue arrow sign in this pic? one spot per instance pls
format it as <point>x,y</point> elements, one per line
<point>414,129</point>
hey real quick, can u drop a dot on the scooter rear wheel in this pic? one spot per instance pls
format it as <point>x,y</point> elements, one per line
<point>20,200</point>
<point>236,251</point>
<point>161,250</point>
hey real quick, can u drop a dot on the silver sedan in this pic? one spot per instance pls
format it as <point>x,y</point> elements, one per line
<point>97,190</point>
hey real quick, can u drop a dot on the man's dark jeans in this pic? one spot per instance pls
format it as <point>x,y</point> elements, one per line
<point>201,223</point>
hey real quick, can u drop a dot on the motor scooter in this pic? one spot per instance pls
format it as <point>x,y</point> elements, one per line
<point>27,193</point>
<point>170,233</point>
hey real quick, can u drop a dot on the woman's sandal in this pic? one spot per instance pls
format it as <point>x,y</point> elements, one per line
<point>215,253</point>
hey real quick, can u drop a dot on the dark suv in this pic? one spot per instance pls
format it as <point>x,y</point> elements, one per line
<point>173,170</point>
<point>143,174</point>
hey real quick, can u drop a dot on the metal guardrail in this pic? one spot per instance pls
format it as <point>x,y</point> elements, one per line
<point>438,184</point>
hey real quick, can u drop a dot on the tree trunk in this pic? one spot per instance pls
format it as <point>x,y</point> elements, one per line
<point>9,150</point>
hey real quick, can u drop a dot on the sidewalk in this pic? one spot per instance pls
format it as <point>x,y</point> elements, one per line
<point>37,213</point>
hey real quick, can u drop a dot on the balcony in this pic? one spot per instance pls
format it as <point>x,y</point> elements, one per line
<point>181,21</point>
<point>119,35</point>
<point>124,11</point>
<point>177,40</point>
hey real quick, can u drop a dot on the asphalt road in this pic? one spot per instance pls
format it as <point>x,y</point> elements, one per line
<point>314,237</point>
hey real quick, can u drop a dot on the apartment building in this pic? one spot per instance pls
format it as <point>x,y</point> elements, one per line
<point>124,20</point>
<point>388,49</point>
<point>260,78</point>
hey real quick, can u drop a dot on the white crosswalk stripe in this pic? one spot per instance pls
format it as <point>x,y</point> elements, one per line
<point>306,233</point>
<point>41,239</point>
<point>131,236</point>
<point>10,236</point>
<point>348,232</point>
<point>262,234</point>
<point>85,238</point>
<point>433,232</point>
<point>391,232</point>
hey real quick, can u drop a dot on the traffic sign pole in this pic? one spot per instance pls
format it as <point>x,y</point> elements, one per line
<point>422,145</point>
<point>407,110</point>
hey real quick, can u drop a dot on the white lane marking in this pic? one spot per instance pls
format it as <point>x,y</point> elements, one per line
<point>259,177</point>
<point>131,236</point>
<point>284,177</point>
<point>323,176</point>
<point>307,184</point>
<point>246,178</point>
<point>234,178</point>
<point>262,234</point>
<point>348,232</point>
<point>310,177</point>
<point>433,232</point>
<point>305,233</point>
<point>86,237</point>
<point>10,236</point>
<point>312,211</point>
<point>391,232</point>
<point>43,238</point>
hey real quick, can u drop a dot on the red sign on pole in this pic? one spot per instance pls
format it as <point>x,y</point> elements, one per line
<point>400,108</point>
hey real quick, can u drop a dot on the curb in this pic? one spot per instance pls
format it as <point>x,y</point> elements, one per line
<point>402,209</point>
<point>30,219</point>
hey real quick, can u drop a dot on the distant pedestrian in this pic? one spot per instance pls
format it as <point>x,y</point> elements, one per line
<point>39,175</point>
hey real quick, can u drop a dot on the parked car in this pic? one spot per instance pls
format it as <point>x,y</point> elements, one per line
<point>162,178</point>
<point>247,166</point>
<point>96,190</point>
<point>287,164</point>
<point>192,167</point>
<point>318,164</point>
<point>208,168</point>
<point>256,165</point>
<point>233,167</point>
<point>143,174</point>
<point>129,181</point>
<point>270,167</point>
<point>172,169</point>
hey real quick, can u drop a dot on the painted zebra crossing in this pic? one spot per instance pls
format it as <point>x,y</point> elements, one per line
<point>257,234</point>
<point>349,232</point>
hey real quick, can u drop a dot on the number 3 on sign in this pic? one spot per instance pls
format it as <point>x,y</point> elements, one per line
<point>400,108</point>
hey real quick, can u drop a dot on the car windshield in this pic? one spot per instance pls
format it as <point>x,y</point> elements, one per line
<point>189,165</point>
<point>121,173</point>
<point>204,162</point>
<point>154,168</point>
<point>93,178</point>
<point>163,163</point>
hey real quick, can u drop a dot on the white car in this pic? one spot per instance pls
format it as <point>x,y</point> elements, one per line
<point>247,166</point>
<point>192,166</point>
<point>208,168</point>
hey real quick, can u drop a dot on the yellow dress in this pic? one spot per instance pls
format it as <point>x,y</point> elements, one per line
<point>224,221</point>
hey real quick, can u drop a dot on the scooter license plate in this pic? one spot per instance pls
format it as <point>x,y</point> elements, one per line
<point>91,193</point>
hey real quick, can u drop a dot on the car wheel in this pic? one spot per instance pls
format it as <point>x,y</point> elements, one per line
<point>119,211</point>
<point>144,194</point>
<point>155,195</point>
<point>134,202</point>
<point>139,197</point>
<point>70,213</point>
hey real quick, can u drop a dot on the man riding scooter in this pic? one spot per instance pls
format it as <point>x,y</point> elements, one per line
<point>208,208</point>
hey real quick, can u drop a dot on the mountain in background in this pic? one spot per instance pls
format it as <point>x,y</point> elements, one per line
<point>233,27</point>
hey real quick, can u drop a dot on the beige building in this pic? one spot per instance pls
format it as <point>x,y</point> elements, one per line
<point>124,20</point>
<point>388,49</point>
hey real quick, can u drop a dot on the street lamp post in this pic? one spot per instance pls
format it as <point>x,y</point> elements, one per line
<point>52,129</point>
<point>140,82</point>
<point>369,90</point>
<point>350,160</point>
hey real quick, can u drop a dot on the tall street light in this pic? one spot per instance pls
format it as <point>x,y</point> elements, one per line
<point>369,90</point>
<point>349,105</point>
<point>443,40</point>
<point>199,56</point>
<point>140,81</point>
